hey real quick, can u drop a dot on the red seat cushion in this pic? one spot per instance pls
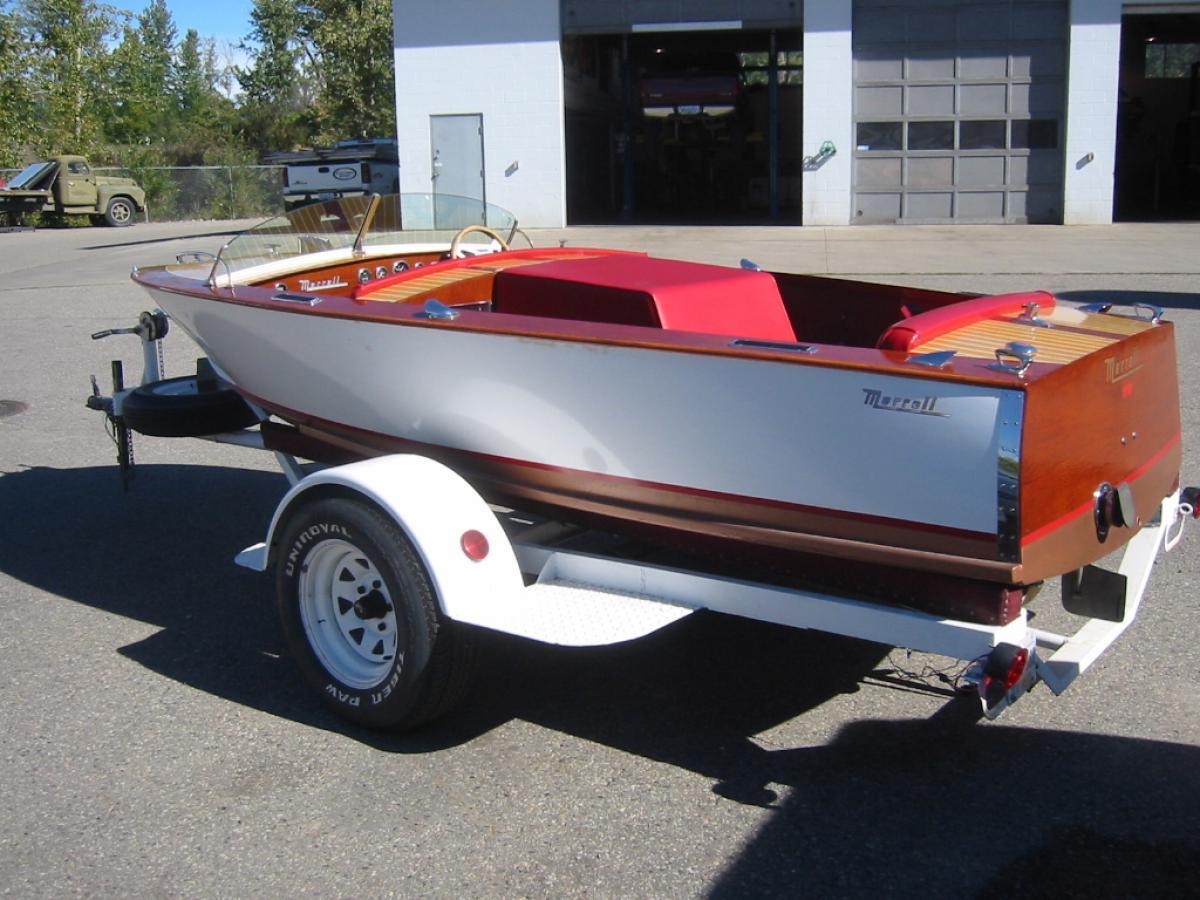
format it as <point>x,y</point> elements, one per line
<point>641,290</point>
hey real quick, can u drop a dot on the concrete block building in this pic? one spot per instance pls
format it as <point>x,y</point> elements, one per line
<point>816,112</point>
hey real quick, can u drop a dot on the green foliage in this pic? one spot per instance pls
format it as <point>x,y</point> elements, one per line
<point>323,68</point>
<point>278,87</point>
<point>68,40</point>
<point>18,111</point>
<point>353,40</point>
<point>80,76</point>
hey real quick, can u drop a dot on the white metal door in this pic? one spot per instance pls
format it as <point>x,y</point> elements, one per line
<point>457,147</point>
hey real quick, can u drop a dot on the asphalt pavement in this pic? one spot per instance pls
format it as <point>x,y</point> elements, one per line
<point>157,742</point>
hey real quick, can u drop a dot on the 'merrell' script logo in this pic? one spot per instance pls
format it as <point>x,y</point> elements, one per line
<point>1117,369</point>
<point>920,406</point>
<point>323,285</point>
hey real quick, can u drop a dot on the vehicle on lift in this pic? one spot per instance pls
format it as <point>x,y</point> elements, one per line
<point>66,185</point>
<point>348,168</point>
<point>881,462</point>
<point>690,83</point>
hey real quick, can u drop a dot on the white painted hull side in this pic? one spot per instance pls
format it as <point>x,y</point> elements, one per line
<point>784,432</point>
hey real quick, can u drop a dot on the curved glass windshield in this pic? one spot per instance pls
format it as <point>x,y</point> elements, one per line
<point>357,223</point>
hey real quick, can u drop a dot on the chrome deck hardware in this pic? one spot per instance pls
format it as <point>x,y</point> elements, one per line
<point>936,360</point>
<point>1015,350</point>
<point>1154,310</point>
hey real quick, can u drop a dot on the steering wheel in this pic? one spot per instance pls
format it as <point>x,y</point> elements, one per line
<point>457,253</point>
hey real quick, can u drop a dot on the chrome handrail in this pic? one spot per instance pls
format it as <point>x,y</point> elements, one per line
<point>204,256</point>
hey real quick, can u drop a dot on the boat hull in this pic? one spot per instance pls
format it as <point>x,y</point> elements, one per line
<point>853,460</point>
<point>773,453</point>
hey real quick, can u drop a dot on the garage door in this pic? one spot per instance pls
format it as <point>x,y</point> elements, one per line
<point>958,110</point>
<point>614,16</point>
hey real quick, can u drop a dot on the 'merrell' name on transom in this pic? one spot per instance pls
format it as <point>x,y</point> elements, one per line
<point>1117,369</point>
<point>921,406</point>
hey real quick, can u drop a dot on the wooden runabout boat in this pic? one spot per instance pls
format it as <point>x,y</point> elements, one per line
<point>927,448</point>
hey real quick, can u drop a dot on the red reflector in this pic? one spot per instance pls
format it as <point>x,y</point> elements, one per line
<point>475,545</point>
<point>1016,669</point>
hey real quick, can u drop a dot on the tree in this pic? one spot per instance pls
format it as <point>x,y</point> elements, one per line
<point>277,87</point>
<point>80,76</point>
<point>18,109</point>
<point>323,68</point>
<point>157,31</point>
<point>69,39</point>
<point>201,129</point>
<point>195,77</point>
<point>353,40</point>
<point>127,107</point>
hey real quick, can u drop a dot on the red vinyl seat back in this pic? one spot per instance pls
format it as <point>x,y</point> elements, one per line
<point>641,290</point>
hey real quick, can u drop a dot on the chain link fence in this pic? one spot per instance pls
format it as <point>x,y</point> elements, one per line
<point>175,194</point>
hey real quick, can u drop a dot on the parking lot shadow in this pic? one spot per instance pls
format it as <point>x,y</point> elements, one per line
<point>926,809</point>
<point>162,553</point>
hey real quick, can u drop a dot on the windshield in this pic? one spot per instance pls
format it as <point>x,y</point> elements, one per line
<point>336,224</point>
<point>30,177</point>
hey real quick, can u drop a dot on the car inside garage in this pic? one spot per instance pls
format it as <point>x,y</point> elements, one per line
<point>698,126</point>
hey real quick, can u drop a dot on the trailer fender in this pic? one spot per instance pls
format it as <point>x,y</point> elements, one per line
<point>439,512</point>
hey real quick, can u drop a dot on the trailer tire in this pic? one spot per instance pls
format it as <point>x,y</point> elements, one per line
<point>176,407</point>
<point>361,619</point>
<point>119,212</point>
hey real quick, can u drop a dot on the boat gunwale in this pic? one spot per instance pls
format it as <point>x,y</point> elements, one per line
<point>885,362</point>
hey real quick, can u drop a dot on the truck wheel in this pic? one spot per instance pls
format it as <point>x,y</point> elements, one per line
<point>120,212</point>
<point>176,407</point>
<point>360,618</point>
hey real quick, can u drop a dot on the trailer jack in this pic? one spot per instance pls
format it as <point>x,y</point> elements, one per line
<point>151,328</point>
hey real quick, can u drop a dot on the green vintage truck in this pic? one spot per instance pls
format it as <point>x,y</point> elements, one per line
<point>65,185</point>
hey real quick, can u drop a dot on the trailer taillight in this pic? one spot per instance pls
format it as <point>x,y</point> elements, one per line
<point>1003,671</point>
<point>366,172</point>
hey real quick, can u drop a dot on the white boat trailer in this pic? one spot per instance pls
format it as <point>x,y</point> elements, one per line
<point>489,568</point>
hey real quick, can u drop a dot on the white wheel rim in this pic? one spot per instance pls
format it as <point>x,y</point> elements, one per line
<point>348,614</point>
<point>121,212</point>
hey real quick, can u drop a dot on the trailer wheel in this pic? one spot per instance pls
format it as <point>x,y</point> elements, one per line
<point>360,618</point>
<point>176,407</point>
<point>119,212</point>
